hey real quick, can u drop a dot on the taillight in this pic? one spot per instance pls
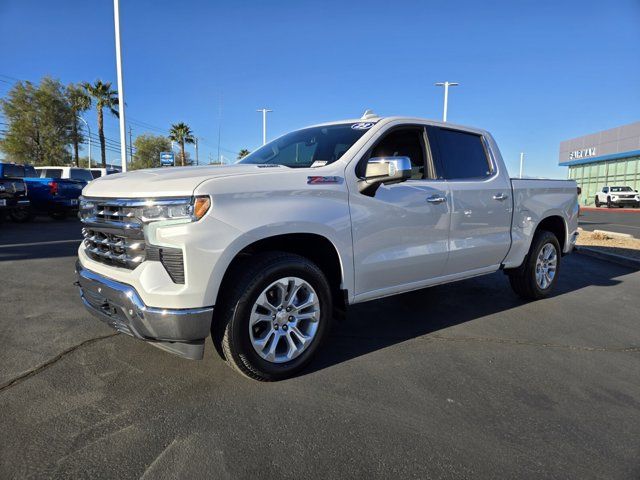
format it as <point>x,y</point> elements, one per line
<point>53,188</point>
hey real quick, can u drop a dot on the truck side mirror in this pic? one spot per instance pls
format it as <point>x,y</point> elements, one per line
<point>384,170</point>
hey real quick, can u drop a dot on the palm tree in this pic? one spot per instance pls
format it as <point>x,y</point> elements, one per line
<point>79,102</point>
<point>105,97</point>
<point>181,133</point>
<point>243,153</point>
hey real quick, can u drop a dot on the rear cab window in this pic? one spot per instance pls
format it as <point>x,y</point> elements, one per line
<point>12,171</point>
<point>80,174</point>
<point>51,173</point>
<point>460,155</point>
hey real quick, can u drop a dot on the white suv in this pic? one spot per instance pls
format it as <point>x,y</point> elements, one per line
<point>618,196</point>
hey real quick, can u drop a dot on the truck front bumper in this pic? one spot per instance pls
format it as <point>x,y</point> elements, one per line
<point>179,331</point>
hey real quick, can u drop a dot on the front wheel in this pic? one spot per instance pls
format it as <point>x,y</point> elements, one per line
<point>598,203</point>
<point>537,276</point>
<point>277,314</point>
<point>609,204</point>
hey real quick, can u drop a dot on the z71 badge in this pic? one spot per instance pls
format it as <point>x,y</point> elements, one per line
<point>323,180</point>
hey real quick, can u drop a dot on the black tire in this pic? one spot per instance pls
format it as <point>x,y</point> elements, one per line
<point>523,279</point>
<point>230,330</point>
<point>598,203</point>
<point>609,204</point>
<point>22,215</point>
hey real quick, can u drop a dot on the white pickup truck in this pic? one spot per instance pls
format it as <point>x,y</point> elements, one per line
<point>264,254</point>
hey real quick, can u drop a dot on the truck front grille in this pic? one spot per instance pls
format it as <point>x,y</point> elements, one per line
<point>112,248</point>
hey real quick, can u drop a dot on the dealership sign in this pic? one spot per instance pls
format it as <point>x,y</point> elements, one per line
<point>167,159</point>
<point>583,153</point>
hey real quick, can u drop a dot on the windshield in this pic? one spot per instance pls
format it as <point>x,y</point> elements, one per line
<point>621,189</point>
<point>309,147</point>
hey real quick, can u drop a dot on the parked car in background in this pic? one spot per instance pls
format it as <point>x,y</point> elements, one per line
<point>263,254</point>
<point>617,196</point>
<point>101,172</point>
<point>13,191</point>
<point>57,197</point>
<point>72,173</point>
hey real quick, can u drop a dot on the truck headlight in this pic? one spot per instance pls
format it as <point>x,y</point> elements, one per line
<point>192,209</point>
<point>187,209</point>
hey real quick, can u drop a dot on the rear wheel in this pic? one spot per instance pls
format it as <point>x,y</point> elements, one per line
<point>598,203</point>
<point>275,317</point>
<point>538,274</point>
<point>609,204</point>
<point>22,215</point>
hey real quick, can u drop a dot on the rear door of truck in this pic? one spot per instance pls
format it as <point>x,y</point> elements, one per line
<point>479,199</point>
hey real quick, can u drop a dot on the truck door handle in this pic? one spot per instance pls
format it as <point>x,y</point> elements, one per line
<point>500,196</point>
<point>436,199</point>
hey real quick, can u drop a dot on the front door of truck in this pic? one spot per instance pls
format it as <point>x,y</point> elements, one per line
<point>480,200</point>
<point>400,234</point>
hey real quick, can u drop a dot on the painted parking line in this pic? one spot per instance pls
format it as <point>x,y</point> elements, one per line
<point>37,244</point>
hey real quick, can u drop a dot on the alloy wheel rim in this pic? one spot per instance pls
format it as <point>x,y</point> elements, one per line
<point>284,320</point>
<point>546,266</point>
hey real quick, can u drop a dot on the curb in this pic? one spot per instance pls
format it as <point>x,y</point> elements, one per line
<point>611,210</point>
<point>609,257</point>
<point>623,236</point>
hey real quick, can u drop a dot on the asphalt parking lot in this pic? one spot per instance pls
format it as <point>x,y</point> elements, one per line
<point>613,220</point>
<point>456,381</point>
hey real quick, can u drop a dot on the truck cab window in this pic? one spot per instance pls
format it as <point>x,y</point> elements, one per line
<point>461,154</point>
<point>81,174</point>
<point>406,142</point>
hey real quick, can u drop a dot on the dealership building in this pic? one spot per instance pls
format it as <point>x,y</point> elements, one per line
<point>610,157</point>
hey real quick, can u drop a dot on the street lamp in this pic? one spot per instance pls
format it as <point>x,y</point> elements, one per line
<point>264,123</point>
<point>89,130</point>
<point>446,86</point>
<point>123,132</point>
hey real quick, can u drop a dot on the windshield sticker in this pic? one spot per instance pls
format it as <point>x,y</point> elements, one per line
<point>318,163</point>
<point>362,126</point>
<point>323,180</point>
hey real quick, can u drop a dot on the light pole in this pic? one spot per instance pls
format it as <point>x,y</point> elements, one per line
<point>446,86</point>
<point>123,132</point>
<point>521,163</point>
<point>264,123</point>
<point>89,130</point>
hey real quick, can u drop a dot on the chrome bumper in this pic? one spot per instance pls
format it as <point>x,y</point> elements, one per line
<point>179,331</point>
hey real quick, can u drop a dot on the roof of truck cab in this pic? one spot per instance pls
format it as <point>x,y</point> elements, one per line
<point>385,120</point>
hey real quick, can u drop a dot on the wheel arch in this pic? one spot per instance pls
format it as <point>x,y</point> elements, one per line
<point>315,246</point>
<point>557,225</point>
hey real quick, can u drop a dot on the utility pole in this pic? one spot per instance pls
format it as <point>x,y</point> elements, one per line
<point>121,104</point>
<point>521,163</point>
<point>219,124</point>
<point>89,130</point>
<point>196,143</point>
<point>446,86</point>
<point>130,145</point>
<point>264,123</point>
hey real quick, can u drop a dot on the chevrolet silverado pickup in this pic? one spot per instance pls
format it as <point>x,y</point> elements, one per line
<point>264,254</point>
<point>56,197</point>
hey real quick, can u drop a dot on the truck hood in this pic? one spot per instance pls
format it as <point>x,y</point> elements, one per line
<point>166,182</point>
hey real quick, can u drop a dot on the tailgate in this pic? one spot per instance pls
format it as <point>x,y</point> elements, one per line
<point>69,188</point>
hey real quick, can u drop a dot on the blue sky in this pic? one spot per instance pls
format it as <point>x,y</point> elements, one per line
<point>533,73</point>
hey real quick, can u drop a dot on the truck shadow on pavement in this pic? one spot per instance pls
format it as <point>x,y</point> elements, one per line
<point>379,324</point>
